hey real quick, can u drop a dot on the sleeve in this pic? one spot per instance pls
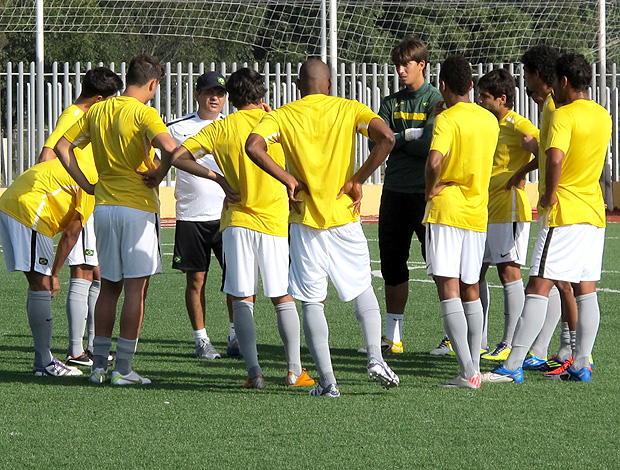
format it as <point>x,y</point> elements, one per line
<point>442,135</point>
<point>364,116</point>
<point>153,124</point>
<point>65,121</point>
<point>525,126</point>
<point>79,134</point>
<point>560,131</point>
<point>203,142</point>
<point>268,128</point>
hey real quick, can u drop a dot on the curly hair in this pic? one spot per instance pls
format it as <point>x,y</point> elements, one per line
<point>456,74</point>
<point>576,69</point>
<point>541,59</point>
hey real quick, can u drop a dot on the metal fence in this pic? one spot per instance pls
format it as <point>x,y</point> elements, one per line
<point>367,83</point>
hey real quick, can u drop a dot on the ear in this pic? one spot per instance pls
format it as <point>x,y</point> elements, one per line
<point>502,100</point>
<point>153,85</point>
<point>442,85</point>
<point>564,82</point>
<point>99,98</point>
<point>471,85</point>
<point>422,64</point>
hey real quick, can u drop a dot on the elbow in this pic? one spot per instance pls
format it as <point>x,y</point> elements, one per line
<point>251,146</point>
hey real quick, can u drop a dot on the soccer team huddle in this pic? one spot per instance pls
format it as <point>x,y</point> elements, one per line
<point>276,192</point>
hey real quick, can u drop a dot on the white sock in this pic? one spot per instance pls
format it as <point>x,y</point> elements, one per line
<point>200,335</point>
<point>573,338</point>
<point>394,327</point>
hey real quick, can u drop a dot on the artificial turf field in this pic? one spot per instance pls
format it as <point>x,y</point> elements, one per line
<point>195,415</point>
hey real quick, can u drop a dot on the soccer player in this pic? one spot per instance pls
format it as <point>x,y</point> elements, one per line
<point>317,133</point>
<point>199,204</point>
<point>39,204</point>
<point>255,230</point>
<point>510,211</point>
<point>99,83</point>
<point>410,114</point>
<point>458,171</point>
<point>122,131</point>
<point>569,247</point>
<point>539,74</point>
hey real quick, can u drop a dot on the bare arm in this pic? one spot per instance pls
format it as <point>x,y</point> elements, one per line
<point>432,174</point>
<point>383,137</point>
<point>166,145</point>
<point>517,180</point>
<point>66,243</point>
<point>552,177</point>
<point>64,150</point>
<point>46,155</point>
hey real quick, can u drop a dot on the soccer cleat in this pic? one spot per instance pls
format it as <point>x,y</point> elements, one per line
<point>484,351</point>
<point>98,375</point>
<point>444,348</point>
<point>560,373</point>
<point>502,375</point>
<point>83,360</point>
<point>582,375</point>
<point>532,362</point>
<point>232,348</point>
<point>378,370</point>
<point>331,391</point>
<point>500,353</point>
<point>205,350</point>
<point>257,382</point>
<point>389,346</point>
<point>57,368</point>
<point>128,379</point>
<point>301,380</point>
<point>461,382</point>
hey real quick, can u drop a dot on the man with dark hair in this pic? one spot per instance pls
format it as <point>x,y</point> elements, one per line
<point>570,242</point>
<point>99,83</point>
<point>327,241</point>
<point>510,211</point>
<point>410,114</point>
<point>199,204</point>
<point>457,176</point>
<point>254,229</point>
<point>123,132</point>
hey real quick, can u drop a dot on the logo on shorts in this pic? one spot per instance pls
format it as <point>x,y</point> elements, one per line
<point>43,261</point>
<point>177,259</point>
<point>89,252</point>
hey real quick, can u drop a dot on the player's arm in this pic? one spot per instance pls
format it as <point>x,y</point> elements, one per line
<point>552,177</point>
<point>64,150</point>
<point>383,137</point>
<point>46,155</point>
<point>256,148</point>
<point>66,243</point>
<point>416,142</point>
<point>432,173</point>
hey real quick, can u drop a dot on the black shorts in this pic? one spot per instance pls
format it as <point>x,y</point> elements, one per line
<point>193,244</point>
<point>400,215</point>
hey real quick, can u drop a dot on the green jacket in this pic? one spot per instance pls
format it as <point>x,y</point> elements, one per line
<point>405,109</point>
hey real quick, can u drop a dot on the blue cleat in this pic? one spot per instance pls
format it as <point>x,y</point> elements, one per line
<point>535,363</point>
<point>582,375</point>
<point>502,375</point>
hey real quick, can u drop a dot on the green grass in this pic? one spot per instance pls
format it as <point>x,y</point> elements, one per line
<point>196,415</point>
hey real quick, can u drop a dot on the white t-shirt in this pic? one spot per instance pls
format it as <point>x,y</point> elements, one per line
<point>198,199</point>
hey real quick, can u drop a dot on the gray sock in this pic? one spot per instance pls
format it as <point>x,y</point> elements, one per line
<point>101,351</point>
<point>455,324</point>
<point>317,339</point>
<point>528,327</point>
<point>368,315</point>
<point>77,312</point>
<point>514,298</point>
<point>474,317</point>
<point>93,295</point>
<point>587,327</point>
<point>484,299</point>
<point>243,318</point>
<point>39,309</point>
<point>540,348</point>
<point>566,349</point>
<point>288,326</point>
<point>125,350</point>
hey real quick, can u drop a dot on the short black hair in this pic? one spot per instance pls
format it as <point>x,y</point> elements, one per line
<point>245,86</point>
<point>455,72</point>
<point>499,82</point>
<point>541,59</point>
<point>411,48</point>
<point>144,68</point>
<point>576,69</point>
<point>100,81</point>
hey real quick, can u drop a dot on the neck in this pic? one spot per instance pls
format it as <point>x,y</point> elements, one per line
<point>453,99</point>
<point>142,93</point>
<point>207,115</point>
<point>501,113</point>
<point>251,106</point>
<point>416,85</point>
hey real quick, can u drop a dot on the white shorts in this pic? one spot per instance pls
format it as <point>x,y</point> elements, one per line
<point>246,252</point>
<point>127,242</point>
<point>24,249</point>
<point>454,252</point>
<point>85,248</point>
<point>340,253</point>
<point>571,253</point>
<point>507,243</point>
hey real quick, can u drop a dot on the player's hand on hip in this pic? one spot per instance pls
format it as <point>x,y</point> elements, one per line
<point>151,178</point>
<point>517,180</point>
<point>293,188</point>
<point>354,191</point>
<point>436,190</point>
<point>548,200</point>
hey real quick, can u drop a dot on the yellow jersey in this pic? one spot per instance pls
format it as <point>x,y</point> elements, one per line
<point>466,135</point>
<point>264,201</point>
<point>512,205</point>
<point>45,197</point>
<point>581,130</point>
<point>317,134</point>
<point>120,130</point>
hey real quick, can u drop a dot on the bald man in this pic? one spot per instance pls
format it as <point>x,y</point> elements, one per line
<point>326,237</point>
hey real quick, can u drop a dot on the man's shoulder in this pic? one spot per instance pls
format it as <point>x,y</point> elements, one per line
<point>183,121</point>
